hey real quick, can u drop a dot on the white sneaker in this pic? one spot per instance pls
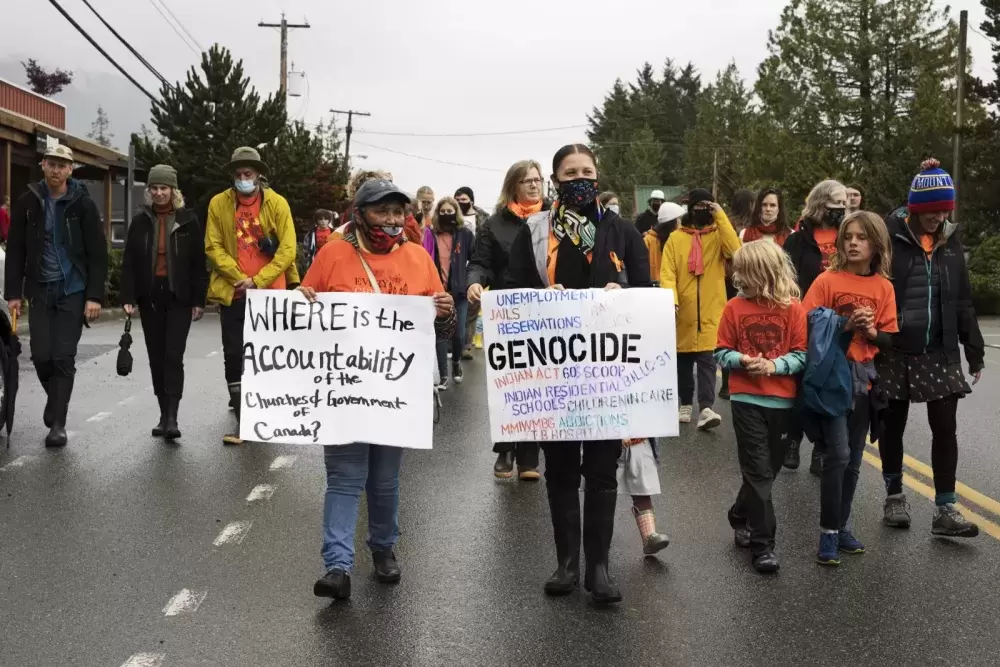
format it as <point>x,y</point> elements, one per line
<point>708,419</point>
<point>684,414</point>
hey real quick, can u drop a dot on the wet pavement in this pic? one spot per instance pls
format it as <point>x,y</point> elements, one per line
<point>98,542</point>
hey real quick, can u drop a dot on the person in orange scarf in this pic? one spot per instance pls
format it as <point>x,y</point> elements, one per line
<point>520,197</point>
<point>694,267</point>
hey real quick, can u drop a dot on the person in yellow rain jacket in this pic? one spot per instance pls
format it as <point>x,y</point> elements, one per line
<point>250,244</point>
<point>694,267</point>
<point>666,222</point>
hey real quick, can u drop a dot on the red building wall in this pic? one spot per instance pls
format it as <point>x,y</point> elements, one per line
<point>36,107</point>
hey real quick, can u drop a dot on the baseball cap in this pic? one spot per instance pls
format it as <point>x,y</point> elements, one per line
<point>377,190</point>
<point>657,194</point>
<point>59,152</point>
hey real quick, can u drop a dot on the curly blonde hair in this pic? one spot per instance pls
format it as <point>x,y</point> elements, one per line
<point>873,227</point>
<point>177,200</point>
<point>362,176</point>
<point>765,269</point>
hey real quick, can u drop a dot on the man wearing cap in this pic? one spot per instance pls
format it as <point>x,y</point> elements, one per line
<point>372,256</point>
<point>647,219</point>
<point>250,244</point>
<point>57,258</point>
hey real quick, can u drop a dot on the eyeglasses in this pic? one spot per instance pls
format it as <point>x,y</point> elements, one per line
<point>531,181</point>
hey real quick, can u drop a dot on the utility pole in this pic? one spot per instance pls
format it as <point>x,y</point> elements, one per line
<point>350,129</point>
<point>715,174</point>
<point>956,169</point>
<point>285,27</point>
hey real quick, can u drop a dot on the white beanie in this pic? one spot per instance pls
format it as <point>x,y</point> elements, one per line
<point>669,211</point>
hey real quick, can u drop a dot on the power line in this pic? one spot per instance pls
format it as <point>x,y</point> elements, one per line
<point>993,43</point>
<point>182,26</point>
<point>472,134</point>
<point>172,26</point>
<point>428,159</point>
<point>104,53</point>
<point>127,45</point>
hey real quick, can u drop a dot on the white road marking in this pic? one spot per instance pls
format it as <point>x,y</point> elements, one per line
<point>185,602</point>
<point>145,660</point>
<point>99,417</point>
<point>17,463</point>
<point>213,353</point>
<point>261,492</point>
<point>234,533</point>
<point>283,461</point>
<point>126,401</point>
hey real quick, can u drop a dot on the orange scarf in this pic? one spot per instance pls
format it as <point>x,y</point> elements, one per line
<point>524,211</point>
<point>696,260</point>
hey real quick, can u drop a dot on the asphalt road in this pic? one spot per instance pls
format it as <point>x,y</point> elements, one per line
<point>108,551</point>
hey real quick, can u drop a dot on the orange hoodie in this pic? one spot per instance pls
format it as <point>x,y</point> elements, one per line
<point>655,249</point>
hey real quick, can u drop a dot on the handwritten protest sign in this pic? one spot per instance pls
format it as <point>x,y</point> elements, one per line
<point>346,368</point>
<point>580,364</point>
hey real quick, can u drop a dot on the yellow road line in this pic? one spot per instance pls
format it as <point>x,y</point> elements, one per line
<point>984,524</point>
<point>966,492</point>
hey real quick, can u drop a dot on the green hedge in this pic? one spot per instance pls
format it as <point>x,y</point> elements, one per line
<point>113,283</point>
<point>984,274</point>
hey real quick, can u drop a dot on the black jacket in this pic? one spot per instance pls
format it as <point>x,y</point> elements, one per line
<point>82,238</point>
<point>614,234</point>
<point>926,322</point>
<point>491,253</point>
<point>646,221</point>
<point>187,274</point>
<point>805,254</point>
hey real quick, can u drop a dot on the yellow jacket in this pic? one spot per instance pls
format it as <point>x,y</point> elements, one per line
<point>220,244</point>
<point>700,298</point>
<point>655,253</point>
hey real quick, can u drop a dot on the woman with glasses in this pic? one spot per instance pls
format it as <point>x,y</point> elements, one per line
<point>520,197</point>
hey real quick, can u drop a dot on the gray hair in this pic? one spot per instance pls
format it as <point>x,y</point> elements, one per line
<point>177,200</point>
<point>818,198</point>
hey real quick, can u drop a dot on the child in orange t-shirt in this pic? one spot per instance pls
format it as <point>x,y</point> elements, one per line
<point>762,341</point>
<point>856,286</point>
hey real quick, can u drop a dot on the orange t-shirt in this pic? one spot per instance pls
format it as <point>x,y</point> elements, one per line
<point>322,236</point>
<point>753,327</point>
<point>248,235</point>
<point>927,243</point>
<point>407,270</point>
<point>826,239</point>
<point>444,245</point>
<point>844,292</point>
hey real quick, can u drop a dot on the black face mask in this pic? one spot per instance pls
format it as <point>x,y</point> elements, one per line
<point>834,217</point>
<point>701,217</point>
<point>447,220</point>
<point>466,207</point>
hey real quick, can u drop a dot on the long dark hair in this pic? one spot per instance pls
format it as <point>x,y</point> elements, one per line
<point>568,150</point>
<point>781,223</point>
<point>741,208</point>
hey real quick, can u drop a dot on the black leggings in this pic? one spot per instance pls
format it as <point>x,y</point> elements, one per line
<point>941,414</point>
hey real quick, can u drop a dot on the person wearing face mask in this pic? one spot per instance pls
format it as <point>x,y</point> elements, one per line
<point>647,219</point>
<point>520,198</point>
<point>372,256</point>
<point>579,245</point>
<point>475,218</point>
<point>811,246</point>
<point>610,201</point>
<point>250,244</point>
<point>165,279</point>
<point>924,365</point>
<point>449,243</point>
<point>694,267</point>
<point>656,238</point>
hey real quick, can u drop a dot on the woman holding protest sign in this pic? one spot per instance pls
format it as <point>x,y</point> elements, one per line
<point>579,244</point>
<point>520,197</point>
<point>372,256</point>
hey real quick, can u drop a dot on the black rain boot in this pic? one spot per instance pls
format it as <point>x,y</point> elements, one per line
<point>598,528</point>
<point>161,426</point>
<point>61,389</point>
<point>48,415</point>
<point>170,428</point>
<point>793,457</point>
<point>235,401</point>
<point>564,505</point>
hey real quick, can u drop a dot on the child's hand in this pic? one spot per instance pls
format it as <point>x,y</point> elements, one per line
<point>764,367</point>
<point>746,360</point>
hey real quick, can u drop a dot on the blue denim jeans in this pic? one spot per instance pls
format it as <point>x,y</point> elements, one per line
<point>844,441</point>
<point>351,469</point>
<point>457,343</point>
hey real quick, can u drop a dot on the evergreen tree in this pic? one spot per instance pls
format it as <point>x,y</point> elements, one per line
<point>100,129</point>
<point>43,81</point>
<point>979,191</point>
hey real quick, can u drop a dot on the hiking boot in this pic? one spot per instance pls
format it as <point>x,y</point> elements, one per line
<point>504,467</point>
<point>816,464</point>
<point>849,544</point>
<point>708,419</point>
<point>896,511</point>
<point>387,570</point>
<point>652,542</point>
<point>334,584</point>
<point>829,549</point>
<point>766,563</point>
<point>160,427</point>
<point>949,522</point>
<point>684,414</point>
<point>527,474</point>
<point>456,373</point>
<point>170,429</point>
<point>792,458</point>
<point>741,538</point>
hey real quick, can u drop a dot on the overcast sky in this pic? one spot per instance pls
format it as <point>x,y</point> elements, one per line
<point>429,66</point>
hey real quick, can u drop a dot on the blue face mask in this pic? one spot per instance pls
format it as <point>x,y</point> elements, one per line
<point>244,187</point>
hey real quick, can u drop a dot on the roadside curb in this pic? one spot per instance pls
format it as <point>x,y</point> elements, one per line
<point>107,315</point>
